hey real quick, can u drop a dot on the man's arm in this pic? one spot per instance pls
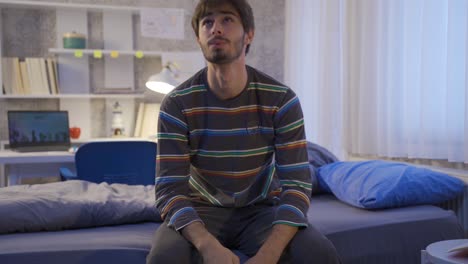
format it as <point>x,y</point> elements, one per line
<point>292,165</point>
<point>207,245</point>
<point>271,250</point>
<point>293,172</point>
<point>173,167</point>
<point>173,172</point>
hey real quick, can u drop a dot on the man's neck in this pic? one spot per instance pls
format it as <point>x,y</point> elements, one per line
<point>227,80</point>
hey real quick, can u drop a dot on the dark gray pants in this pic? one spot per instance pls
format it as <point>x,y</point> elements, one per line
<point>243,229</point>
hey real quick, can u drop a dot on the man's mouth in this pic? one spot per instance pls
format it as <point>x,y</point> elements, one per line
<point>217,42</point>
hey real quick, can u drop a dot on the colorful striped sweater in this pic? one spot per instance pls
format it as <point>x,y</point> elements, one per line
<point>232,153</point>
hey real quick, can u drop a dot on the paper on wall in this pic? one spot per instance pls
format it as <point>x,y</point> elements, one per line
<point>167,23</point>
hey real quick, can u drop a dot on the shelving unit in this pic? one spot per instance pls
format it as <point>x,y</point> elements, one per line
<point>75,91</point>
<point>76,96</point>
<point>74,72</point>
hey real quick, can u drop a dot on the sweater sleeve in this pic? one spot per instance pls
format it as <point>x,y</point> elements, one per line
<point>292,163</point>
<point>173,167</point>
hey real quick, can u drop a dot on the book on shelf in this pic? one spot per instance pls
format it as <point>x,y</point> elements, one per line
<point>16,75</point>
<point>146,125</point>
<point>29,76</point>
<point>11,74</point>
<point>6,76</point>
<point>51,74</point>
<point>25,78</point>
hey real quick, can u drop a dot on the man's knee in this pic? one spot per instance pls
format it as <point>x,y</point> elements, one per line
<point>168,246</point>
<point>310,246</point>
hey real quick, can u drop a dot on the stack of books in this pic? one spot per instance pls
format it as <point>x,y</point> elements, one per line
<point>29,76</point>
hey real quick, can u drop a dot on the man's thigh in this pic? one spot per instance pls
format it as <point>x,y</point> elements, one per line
<point>219,221</point>
<point>310,246</point>
<point>253,228</point>
<point>307,246</point>
<point>169,246</point>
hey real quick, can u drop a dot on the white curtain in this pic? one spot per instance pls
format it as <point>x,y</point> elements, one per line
<point>314,67</point>
<point>384,78</point>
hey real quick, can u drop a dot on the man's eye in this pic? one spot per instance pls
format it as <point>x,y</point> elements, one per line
<point>207,22</point>
<point>228,19</point>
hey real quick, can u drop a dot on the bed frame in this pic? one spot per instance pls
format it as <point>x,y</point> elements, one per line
<point>359,235</point>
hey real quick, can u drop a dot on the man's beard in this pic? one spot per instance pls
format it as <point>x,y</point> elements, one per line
<point>220,56</point>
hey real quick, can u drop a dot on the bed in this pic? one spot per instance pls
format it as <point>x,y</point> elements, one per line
<point>83,222</point>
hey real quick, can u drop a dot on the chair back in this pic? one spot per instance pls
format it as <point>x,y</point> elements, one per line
<point>129,162</point>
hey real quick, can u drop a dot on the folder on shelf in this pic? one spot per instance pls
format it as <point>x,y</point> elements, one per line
<point>51,76</point>
<point>25,78</point>
<point>11,75</point>
<point>139,120</point>
<point>43,76</point>
<point>35,76</point>
<point>17,81</point>
<point>147,120</point>
<point>6,76</point>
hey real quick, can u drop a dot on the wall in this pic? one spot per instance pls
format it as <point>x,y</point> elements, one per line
<point>28,32</point>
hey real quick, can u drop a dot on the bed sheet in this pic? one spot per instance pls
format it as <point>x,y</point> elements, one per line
<point>381,236</point>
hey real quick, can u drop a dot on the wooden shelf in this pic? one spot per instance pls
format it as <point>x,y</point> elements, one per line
<point>71,96</point>
<point>106,52</point>
<point>56,5</point>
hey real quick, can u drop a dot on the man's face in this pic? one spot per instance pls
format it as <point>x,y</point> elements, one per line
<point>221,35</point>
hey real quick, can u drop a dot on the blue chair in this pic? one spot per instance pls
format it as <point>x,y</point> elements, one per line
<point>129,162</point>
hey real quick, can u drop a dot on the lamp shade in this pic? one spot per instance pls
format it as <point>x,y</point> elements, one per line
<point>162,82</point>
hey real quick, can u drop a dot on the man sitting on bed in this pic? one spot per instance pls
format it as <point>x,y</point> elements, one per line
<point>232,161</point>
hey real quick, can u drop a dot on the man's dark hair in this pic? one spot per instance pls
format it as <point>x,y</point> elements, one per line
<point>241,6</point>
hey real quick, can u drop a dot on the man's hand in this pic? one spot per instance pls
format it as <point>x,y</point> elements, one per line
<point>208,246</point>
<point>262,259</point>
<point>213,253</point>
<point>271,250</point>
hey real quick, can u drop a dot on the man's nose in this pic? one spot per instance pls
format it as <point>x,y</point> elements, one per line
<point>217,28</point>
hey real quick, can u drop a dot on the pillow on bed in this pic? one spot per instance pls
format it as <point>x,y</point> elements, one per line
<point>318,156</point>
<point>379,184</point>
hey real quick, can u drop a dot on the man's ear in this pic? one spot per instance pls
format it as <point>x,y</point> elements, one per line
<point>249,37</point>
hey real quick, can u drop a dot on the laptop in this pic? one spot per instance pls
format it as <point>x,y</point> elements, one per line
<point>30,131</point>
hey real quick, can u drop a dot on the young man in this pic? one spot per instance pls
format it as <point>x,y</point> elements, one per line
<point>232,161</point>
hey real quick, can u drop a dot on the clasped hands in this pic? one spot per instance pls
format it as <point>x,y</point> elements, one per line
<point>218,254</point>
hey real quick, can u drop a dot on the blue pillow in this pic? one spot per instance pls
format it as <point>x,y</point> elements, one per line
<point>318,156</point>
<point>379,184</point>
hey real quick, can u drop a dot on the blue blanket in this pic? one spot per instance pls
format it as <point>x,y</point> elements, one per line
<point>74,204</point>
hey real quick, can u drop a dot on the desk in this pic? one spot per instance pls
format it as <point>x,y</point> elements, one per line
<point>16,165</point>
<point>437,253</point>
<point>13,164</point>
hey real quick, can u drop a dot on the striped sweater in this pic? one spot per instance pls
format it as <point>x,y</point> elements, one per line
<point>232,153</point>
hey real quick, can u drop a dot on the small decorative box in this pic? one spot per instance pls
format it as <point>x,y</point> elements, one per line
<point>73,40</point>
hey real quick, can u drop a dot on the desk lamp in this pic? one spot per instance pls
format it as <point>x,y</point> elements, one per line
<point>164,81</point>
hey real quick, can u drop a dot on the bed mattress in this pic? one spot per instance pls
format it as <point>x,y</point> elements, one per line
<point>381,236</point>
<point>109,244</point>
<point>360,236</point>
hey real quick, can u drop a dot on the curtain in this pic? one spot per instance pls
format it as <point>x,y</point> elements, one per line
<point>383,78</point>
<point>314,67</point>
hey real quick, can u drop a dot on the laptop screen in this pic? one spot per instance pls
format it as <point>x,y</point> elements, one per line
<point>38,130</point>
